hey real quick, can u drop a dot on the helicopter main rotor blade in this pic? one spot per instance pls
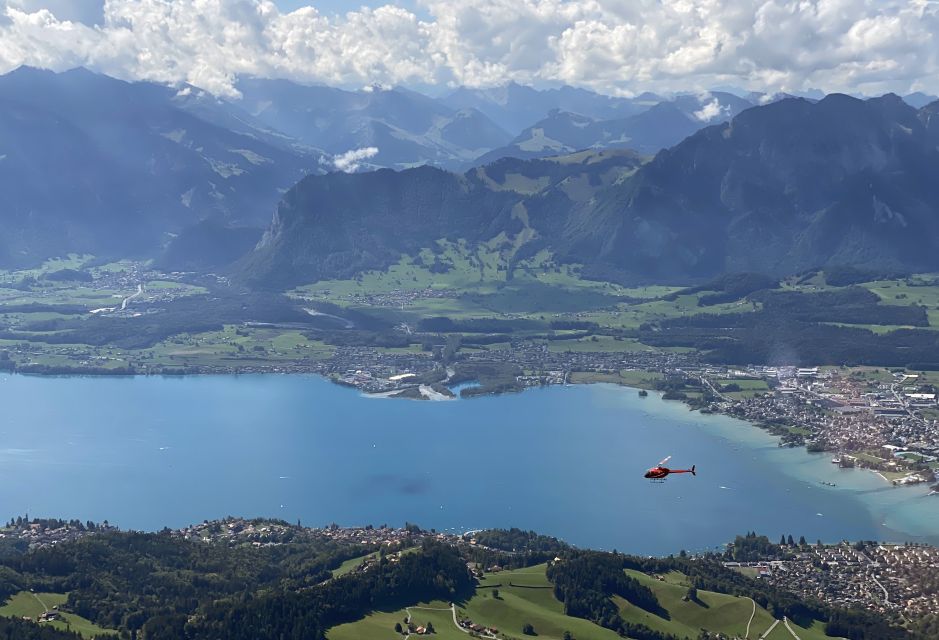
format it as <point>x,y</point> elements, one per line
<point>667,458</point>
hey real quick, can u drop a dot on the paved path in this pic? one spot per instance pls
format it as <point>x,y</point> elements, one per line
<point>485,634</point>
<point>747,634</point>
<point>770,630</point>
<point>131,297</point>
<point>451,609</point>
<point>882,588</point>
<point>786,622</point>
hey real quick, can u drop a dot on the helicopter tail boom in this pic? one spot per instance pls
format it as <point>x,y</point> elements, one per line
<point>691,470</point>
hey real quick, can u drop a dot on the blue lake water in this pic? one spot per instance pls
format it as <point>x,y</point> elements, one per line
<point>567,461</point>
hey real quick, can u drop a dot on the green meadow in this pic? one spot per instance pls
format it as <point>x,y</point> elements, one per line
<point>32,605</point>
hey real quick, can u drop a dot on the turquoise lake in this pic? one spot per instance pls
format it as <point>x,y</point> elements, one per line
<point>145,453</point>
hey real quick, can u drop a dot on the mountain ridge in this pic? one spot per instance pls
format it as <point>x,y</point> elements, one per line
<point>782,187</point>
<point>92,164</point>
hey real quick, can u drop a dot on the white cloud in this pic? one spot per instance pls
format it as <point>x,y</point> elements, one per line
<point>89,12</point>
<point>607,45</point>
<point>711,108</point>
<point>350,161</point>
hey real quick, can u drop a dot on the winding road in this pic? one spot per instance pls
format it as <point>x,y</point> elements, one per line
<point>451,609</point>
<point>750,621</point>
<point>131,297</point>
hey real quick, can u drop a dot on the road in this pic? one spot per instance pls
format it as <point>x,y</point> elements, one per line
<point>882,588</point>
<point>713,389</point>
<point>786,622</point>
<point>452,610</point>
<point>750,621</point>
<point>131,297</point>
<point>770,630</point>
<point>766,633</point>
<point>899,398</point>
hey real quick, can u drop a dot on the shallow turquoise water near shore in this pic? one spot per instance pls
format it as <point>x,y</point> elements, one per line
<point>568,461</point>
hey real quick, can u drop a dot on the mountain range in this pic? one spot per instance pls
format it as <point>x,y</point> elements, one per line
<point>514,106</point>
<point>404,127</point>
<point>340,224</point>
<point>664,124</point>
<point>92,164</point>
<point>780,188</point>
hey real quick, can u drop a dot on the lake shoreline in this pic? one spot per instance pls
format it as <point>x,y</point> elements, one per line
<point>329,457</point>
<point>412,392</point>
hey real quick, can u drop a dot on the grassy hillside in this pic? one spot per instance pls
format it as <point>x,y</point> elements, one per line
<point>714,611</point>
<point>381,625</point>
<point>526,597</point>
<point>32,605</point>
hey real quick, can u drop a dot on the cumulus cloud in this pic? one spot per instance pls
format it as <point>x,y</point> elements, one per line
<point>711,108</point>
<point>350,161</point>
<point>89,12</point>
<point>606,45</point>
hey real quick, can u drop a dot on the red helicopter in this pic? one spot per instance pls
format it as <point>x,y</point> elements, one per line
<point>659,471</point>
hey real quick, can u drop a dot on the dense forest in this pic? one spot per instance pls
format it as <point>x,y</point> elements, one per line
<point>164,587</point>
<point>13,629</point>
<point>437,572</point>
<point>158,321</point>
<point>727,288</point>
<point>804,328</point>
<point>585,582</point>
<point>516,540</point>
<point>121,580</point>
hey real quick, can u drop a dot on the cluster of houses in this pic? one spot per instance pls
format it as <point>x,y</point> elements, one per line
<point>396,298</point>
<point>482,630</point>
<point>46,533</point>
<point>262,532</point>
<point>878,577</point>
<point>375,370</point>
<point>554,366</point>
<point>888,422</point>
<point>50,615</point>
